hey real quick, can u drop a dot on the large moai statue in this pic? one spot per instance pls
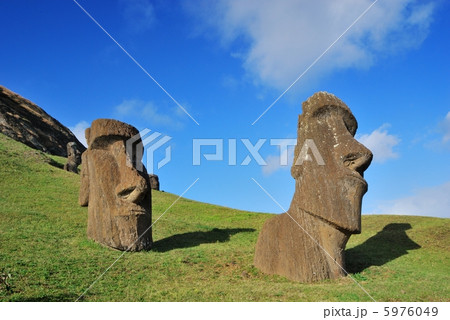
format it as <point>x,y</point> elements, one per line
<point>307,242</point>
<point>73,157</point>
<point>118,195</point>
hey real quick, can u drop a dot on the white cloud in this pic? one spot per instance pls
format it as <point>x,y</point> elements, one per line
<point>278,162</point>
<point>149,112</point>
<point>381,143</point>
<point>273,165</point>
<point>438,139</point>
<point>139,14</point>
<point>78,131</point>
<point>445,127</point>
<point>278,40</point>
<point>432,201</point>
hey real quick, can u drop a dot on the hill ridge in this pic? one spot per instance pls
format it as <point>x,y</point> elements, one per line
<point>26,122</point>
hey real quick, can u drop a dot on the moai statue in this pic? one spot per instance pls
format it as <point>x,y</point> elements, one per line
<point>307,242</point>
<point>154,181</point>
<point>118,195</point>
<point>73,158</point>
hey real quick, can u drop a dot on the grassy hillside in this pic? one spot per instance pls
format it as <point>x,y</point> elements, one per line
<point>202,252</point>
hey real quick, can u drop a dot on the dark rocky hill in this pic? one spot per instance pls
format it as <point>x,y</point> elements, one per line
<point>24,121</point>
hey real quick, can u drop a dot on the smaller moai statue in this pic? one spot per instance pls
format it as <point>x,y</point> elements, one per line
<point>73,158</point>
<point>154,181</point>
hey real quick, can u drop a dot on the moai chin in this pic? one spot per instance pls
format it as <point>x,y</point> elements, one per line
<point>117,194</point>
<point>307,242</point>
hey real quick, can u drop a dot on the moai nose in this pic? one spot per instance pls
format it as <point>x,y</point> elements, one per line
<point>359,159</point>
<point>133,186</point>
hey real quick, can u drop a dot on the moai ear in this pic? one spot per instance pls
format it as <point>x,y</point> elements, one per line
<point>83,197</point>
<point>297,170</point>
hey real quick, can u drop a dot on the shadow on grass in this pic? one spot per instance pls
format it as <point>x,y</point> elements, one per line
<point>390,243</point>
<point>46,298</point>
<point>55,163</point>
<point>193,239</point>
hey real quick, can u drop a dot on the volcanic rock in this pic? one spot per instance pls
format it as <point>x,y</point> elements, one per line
<point>24,121</point>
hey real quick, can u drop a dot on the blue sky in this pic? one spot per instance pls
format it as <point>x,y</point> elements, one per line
<point>225,62</point>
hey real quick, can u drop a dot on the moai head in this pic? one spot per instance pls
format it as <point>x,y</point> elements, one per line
<point>331,189</point>
<point>118,195</point>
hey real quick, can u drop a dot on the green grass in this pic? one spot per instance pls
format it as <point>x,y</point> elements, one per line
<point>202,252</point>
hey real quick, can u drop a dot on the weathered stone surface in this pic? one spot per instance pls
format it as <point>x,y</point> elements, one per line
<point>307,242</point>
<point>154,181</point>
<point>22,120</point>
<point>73,158</point>
<point>117,194</point>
